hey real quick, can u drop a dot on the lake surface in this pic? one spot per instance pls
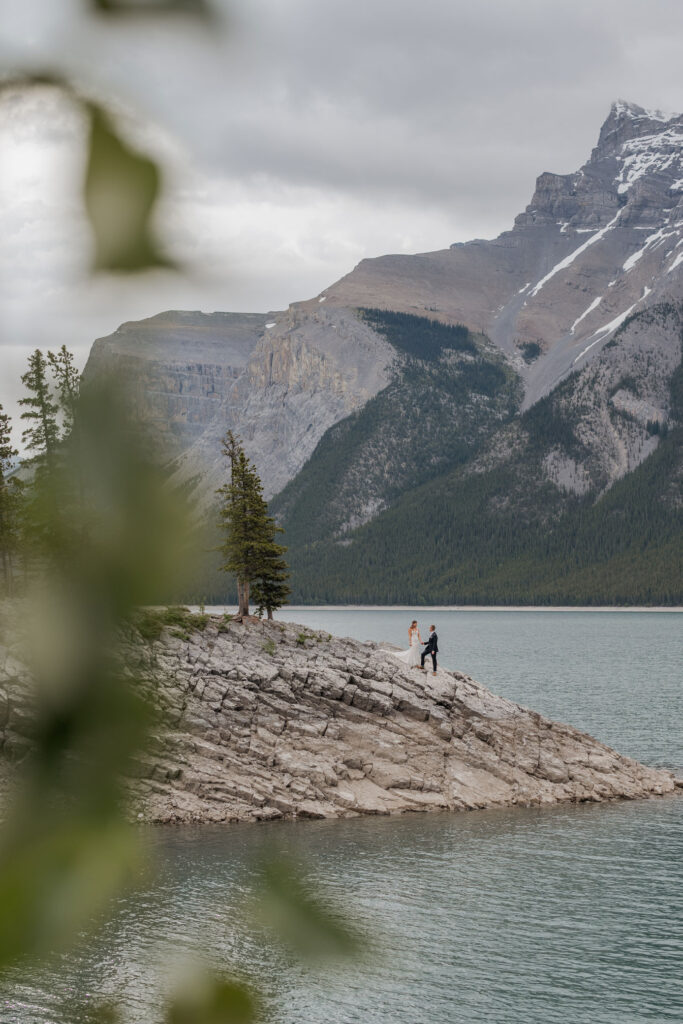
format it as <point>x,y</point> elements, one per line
<point>570,915</point>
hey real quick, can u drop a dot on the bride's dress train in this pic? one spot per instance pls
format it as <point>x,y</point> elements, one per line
<point>411,657</point>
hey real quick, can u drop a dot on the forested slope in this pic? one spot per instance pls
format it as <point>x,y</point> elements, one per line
<point>505,525</point>
<point>450,390</point>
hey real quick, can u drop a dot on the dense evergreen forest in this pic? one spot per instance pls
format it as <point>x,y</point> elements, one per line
<point>480,539</point>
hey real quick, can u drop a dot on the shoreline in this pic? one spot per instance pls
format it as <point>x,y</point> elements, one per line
<point>220,609</point>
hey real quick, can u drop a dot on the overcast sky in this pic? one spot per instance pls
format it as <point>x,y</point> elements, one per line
<point>305,136</point>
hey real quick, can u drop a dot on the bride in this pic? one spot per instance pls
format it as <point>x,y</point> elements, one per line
<point>411,657</point>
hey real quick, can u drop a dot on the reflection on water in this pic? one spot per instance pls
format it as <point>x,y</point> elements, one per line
<point>572,915</point>
<point>525,916</point>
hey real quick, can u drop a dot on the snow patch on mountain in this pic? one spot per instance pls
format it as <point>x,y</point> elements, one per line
<point>654,240</point>
<point>649,153</point>
<point>594,304</point>
<point>678,260</point>
<point>568,260</point>
<point>609,328</point>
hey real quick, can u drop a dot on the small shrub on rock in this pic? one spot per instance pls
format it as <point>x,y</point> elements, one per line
<point>180,620</point>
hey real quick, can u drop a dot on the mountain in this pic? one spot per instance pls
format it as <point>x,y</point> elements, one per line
<point>590,248</point>
<point>486,398</point>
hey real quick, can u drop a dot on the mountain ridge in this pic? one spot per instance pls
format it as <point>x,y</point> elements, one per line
<point>585,288</point>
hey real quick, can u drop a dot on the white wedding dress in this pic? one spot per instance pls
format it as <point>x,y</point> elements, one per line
<point>412,656</point>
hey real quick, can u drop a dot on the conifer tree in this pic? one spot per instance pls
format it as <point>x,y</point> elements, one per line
<point>42,434</point>
<point>10,497</point>
<point>249,549</point>
<point>270,589</point>
<point>68,380</point>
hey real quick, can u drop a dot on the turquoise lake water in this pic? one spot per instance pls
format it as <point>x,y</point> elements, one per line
<point>569,915</point>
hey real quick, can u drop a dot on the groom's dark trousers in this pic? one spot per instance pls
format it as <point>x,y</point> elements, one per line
<point>431,647</point>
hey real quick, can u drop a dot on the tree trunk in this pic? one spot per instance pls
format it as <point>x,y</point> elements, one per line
<point>270,614</point>
<point>243,598</point>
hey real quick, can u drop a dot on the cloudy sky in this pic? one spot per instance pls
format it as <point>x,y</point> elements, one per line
<point>301,137</point>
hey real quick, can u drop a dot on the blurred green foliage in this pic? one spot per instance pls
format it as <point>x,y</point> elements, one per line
<point>121,185</point>
<point>121,189</point>
<point>112,534</point>
<point>289,906</point>
<point>205,999</point>
<point>103,536</point>
<point>106,525</point>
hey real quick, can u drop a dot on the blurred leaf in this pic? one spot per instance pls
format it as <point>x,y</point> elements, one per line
<point>34,79</point>
<point>138,530</point>
<point>125,7</point>
<point>205,999</point>
<point>53,882</point>
<point>121,189</point>
<point>286,905</point>
<point>111,532</point>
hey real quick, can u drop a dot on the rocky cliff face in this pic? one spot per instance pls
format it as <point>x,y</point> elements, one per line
<point>178,368</point>
<point>278,380</point>
<point>620,403</point>
<point>307,371</point>
<point>273,720</point>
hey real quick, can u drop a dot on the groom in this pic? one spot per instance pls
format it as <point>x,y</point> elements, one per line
<point>430,647</point>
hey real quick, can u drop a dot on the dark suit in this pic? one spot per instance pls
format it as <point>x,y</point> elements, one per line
<point>431,647</point>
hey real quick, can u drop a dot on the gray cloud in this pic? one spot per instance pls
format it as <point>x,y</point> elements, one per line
<point>309,136</point>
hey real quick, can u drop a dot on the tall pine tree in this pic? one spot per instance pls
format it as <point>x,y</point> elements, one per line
<point>42,434</point>
<point>10,499</point>
<point>68,381</point>
<point>250,550</point>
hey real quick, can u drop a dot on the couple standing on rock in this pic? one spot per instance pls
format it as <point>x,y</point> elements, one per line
<point>413,657</point>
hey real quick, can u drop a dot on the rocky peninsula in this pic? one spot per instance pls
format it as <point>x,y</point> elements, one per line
<point>274,720</point>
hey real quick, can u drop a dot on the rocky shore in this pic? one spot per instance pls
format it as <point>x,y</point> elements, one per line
<point>272,720</point>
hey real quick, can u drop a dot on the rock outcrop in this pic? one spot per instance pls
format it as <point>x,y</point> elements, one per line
<point>272,720</point>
